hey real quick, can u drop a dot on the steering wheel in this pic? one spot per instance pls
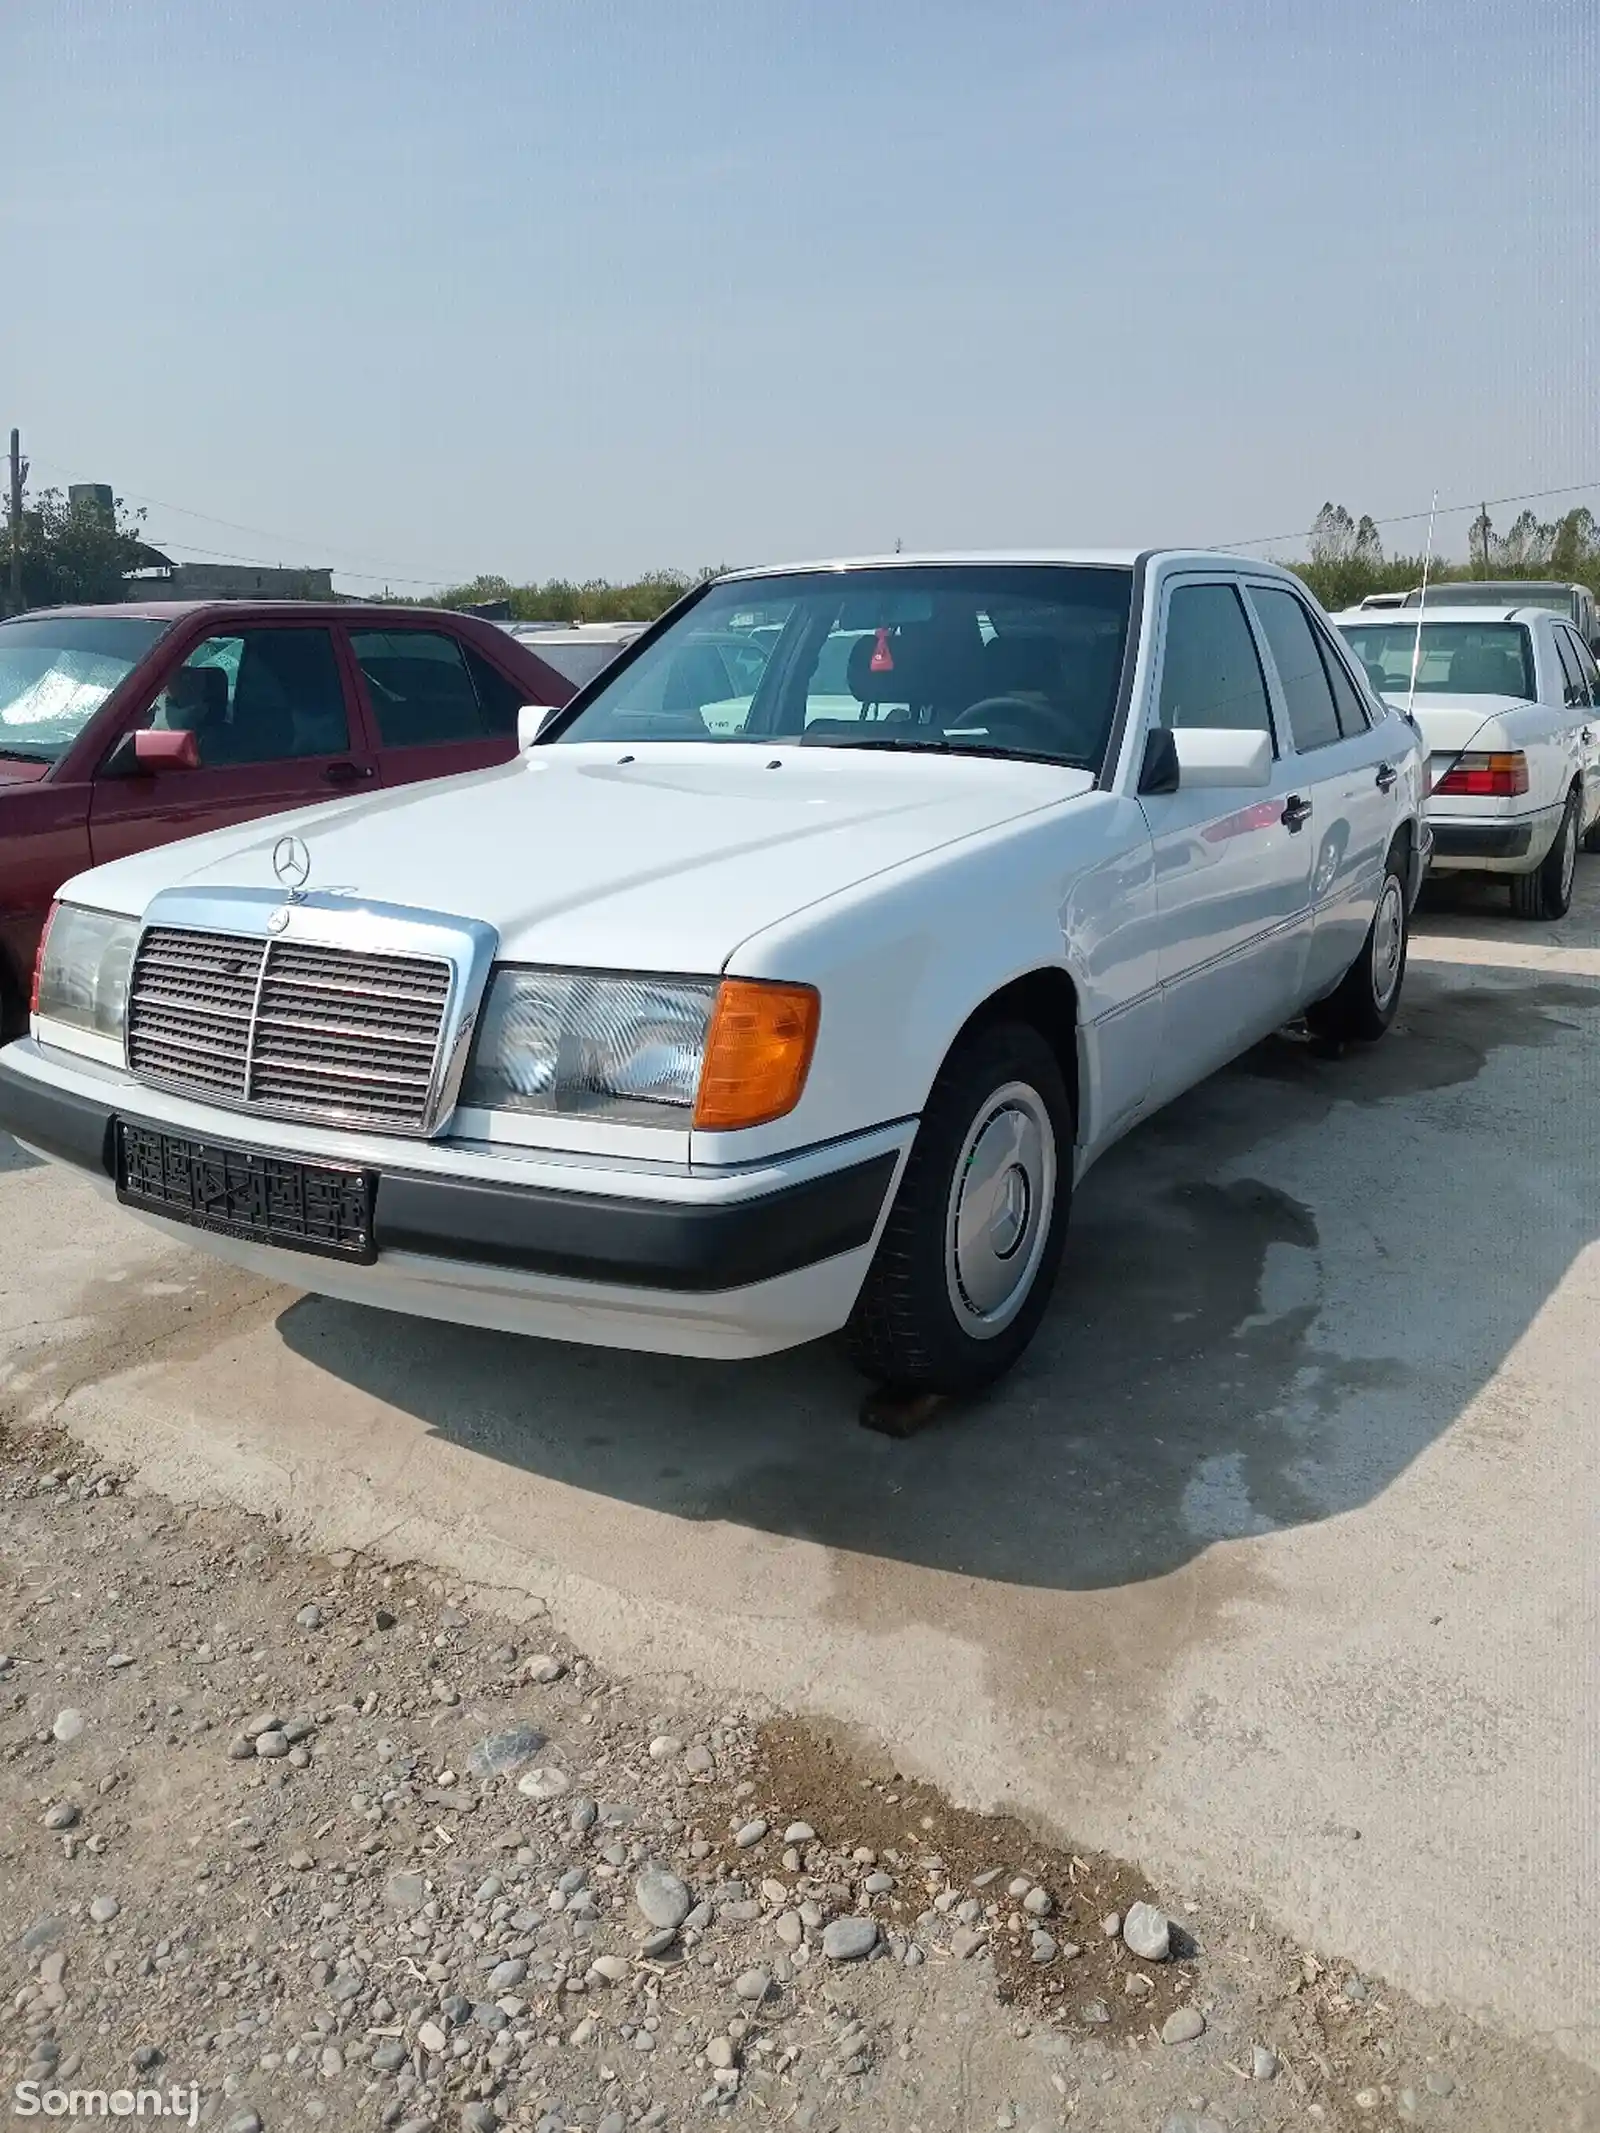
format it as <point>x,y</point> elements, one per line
<point>1020,719</point>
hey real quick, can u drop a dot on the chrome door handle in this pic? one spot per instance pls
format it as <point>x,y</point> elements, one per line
<point>1296,813</point>
<point>1388,776</point>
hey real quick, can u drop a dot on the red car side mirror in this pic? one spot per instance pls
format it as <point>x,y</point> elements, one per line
<point>161,750</point>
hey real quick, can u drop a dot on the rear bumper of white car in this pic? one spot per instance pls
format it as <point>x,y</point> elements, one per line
<point>715,1263</point>
<point>1493,844</point>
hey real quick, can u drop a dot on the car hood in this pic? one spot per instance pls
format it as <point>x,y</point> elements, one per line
<point>657,858</point>
<point>15,771</point>
<point>1451,723</point>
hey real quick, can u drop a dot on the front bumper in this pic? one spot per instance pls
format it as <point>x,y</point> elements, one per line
<point>635,1255</point>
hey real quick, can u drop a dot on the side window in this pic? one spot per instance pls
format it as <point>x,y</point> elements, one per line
<point>1588,669</point>
<point>419,687</point>
<point>1575,685</point>
<point>1312,718</point>
<point>500,699</point>
<point>1210,670</point>
<point>258,696</point>
<point>1346,696</point>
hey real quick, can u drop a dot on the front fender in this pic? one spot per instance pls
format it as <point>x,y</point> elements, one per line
<point>903,962</point>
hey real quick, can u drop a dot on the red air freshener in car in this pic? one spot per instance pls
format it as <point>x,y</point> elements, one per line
<point>882,660</point>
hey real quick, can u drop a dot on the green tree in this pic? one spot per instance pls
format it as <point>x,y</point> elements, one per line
<point>77,552</point>
<point>1346,562</point>
<point>1575,550</point>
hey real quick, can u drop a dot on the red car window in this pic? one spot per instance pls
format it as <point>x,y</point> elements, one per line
<point>425,689</point>
<point>258,696</point>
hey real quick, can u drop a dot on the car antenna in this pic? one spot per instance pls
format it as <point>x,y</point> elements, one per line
<point>1422,609</point>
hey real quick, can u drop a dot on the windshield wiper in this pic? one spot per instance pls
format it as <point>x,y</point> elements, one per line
<point>25,755</point>
<point>931,746</point>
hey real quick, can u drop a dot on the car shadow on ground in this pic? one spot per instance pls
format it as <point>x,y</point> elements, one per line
<point>1224,1355</point>
<point>13,1156</point>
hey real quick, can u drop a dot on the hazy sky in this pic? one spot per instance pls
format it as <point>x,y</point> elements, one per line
<point>582,289</point>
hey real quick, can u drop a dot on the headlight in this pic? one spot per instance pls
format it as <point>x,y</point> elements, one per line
<point>642,1050</point>
<point>84,967</point>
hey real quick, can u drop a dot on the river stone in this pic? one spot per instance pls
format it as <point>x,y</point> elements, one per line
<point>847,1940</point>
<point>662,1897</point>
<point>1183,2025</point>
<point>499,1753</point>
<point>1146,1933</point>
<point>543,1783</point>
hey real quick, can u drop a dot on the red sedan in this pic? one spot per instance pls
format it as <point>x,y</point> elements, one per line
<point>122,727</point>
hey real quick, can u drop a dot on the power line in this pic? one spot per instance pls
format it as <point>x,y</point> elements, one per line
<point>395,577</point>
<point>1407,518</point>
<point>261,562</point>
<point>292,540</point>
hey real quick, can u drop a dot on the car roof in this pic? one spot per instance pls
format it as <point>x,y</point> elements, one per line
<point>1519,585</point>
<point>1104,558</point>
<point>571,632</point>
<point>1407,618</point>
<point>176,610</point>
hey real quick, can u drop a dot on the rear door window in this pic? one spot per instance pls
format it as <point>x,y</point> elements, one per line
<point>1574,682</point>
<point>1588,669</point>
<point>1313,720</point>
<point>423,692</point>
<point>1352,712</point>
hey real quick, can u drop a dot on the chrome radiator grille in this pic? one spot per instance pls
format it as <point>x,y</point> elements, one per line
<point>294,1028</point>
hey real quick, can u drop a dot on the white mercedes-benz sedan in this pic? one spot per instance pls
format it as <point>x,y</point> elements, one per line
<point>1508,701</point>
<point>716,1023</point>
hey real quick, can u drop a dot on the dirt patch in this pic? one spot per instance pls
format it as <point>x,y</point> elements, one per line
<point>977,1858</point>
<point>419,1900</point>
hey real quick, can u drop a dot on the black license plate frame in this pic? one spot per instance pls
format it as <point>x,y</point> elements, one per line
<point>325,1209</point>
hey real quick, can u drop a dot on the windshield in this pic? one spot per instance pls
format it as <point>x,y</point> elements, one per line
<point>56,672</point>
<point>985,659</point>
<point>1458,658</point>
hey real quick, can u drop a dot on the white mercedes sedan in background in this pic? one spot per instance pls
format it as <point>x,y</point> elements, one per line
<point>715,1034</point>
<point>1508,701</point>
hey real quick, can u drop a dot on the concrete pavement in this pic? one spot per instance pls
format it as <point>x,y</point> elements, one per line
<point>1273,1568</point>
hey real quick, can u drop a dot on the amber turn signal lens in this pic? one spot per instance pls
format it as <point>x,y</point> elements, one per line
<point>758,1053</point>
<point>38,958</point>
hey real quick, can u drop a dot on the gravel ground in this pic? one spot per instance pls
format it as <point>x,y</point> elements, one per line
<point>336,1844</point>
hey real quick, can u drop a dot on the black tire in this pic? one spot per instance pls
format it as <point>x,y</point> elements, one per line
<point>1591,836</point>
<point>999,1119</point>
<point>1367,997</point>
<point>1547,891</point>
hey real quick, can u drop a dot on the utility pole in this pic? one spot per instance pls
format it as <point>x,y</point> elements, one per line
<point>16,522</point>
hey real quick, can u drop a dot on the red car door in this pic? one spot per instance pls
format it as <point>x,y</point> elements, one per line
<point>434,704</point>
<point>270,711</point>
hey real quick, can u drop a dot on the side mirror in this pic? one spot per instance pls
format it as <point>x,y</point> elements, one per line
<point>1198,757</point>
<point>1159,771</point>
<point>155,749</point>
<point>1220,756</point>
<point>531,722</point>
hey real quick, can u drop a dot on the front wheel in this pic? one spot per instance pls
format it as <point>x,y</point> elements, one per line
<point>1368,995</point>
<point>1547,891</point>
<point>964,1268</point>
